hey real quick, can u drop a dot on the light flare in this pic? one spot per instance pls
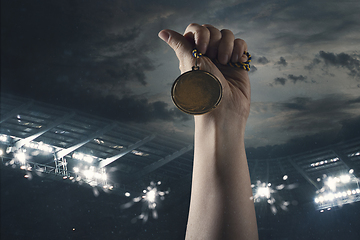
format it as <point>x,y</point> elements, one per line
<point>149,198</point>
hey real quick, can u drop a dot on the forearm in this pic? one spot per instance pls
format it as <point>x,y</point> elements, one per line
<point>221,204</point>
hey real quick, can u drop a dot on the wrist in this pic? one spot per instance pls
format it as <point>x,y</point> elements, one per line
<point>224,125</point>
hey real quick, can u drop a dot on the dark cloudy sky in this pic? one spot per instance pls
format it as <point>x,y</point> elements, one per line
<point>104,57</point>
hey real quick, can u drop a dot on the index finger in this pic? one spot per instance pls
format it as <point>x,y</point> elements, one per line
<point>199,35</point>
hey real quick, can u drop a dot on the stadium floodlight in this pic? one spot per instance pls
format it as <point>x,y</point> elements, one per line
<point>151,195</point>
<point>263,192</point>
<point>20,156</point>
<point>89,174</point>
<point>337,191</point>
<point>83,157</point>
<point>331,183</point>
<point>345,178</point>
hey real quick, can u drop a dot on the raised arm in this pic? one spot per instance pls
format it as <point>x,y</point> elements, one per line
<point>221,204</point>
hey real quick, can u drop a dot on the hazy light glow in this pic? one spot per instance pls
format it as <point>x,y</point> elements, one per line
<point>83,157</point>
<point>21,157</point>
<point>151,195</point>
<point>345,178</point>
<point>88,174</point>
<point>3,138</point>
<point>263,192</point>
<point>40,146</point>
<point>149,198</point>
<point>331,183</point>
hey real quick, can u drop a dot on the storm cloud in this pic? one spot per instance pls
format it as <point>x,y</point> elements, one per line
<point>328,118</point>
<point>293,78</point>
<point>279,80</point>
<point>340,60</point>
<point>262,60</point>
<point>105,58</point>
<point>282,62</point>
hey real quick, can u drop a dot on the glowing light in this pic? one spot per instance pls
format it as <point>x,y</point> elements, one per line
<point>78,156</point>
<point>64,177</point>
<point>93,184</point>
<point>151,195</point>
<point>104,176</point>
<point>21,157</point>
<point>88,159</point>
<point>345,178</point>
<point>26,176</point>
<point>331,183</point>
<point>351,171</point>
<point>149,198</point>
<point>22,167</point>
<point>40,146</point>
<point>1,152</point>
<point>138,153</point>
<point>315,164</point>
<point>3,138</point>
<point>83,157</point>
<point>285,177</point>
<point>322,210</point>
<point>88,174</point>
<point>263,192</point>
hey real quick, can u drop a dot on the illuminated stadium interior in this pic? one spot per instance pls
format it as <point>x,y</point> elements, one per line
<point>46,141</point>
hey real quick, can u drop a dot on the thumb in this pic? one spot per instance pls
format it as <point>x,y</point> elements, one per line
<point>178,43</point>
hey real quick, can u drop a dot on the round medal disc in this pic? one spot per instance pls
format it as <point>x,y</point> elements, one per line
<point>196,92</point>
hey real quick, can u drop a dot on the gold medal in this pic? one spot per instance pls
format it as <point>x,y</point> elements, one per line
<point>197,91</point>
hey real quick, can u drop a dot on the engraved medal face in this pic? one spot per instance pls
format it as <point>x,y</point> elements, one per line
<point>196,92</point>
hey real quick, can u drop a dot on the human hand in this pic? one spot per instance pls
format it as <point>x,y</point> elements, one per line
<point>221,46</point>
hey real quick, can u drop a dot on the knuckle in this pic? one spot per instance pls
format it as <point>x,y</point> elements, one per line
<point>239,40</point>
<point>226,31</point>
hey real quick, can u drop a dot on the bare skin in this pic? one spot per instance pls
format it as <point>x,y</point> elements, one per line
<point>221,205</point>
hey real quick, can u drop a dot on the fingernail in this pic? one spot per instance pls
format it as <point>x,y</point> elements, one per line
<point>164,36</point>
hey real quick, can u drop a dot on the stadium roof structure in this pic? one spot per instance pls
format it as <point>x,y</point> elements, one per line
<point>77,147</point>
